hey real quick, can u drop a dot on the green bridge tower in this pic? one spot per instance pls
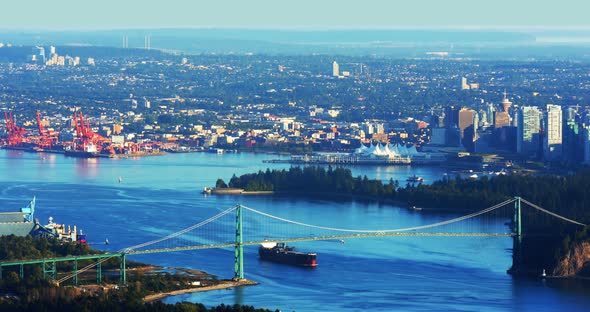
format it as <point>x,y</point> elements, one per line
<point>517,238</point>
<point>239,247</point>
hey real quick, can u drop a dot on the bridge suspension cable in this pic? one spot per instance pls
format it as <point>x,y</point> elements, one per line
<point>125,250</point>
<point>551,213</point>
<point>188,229</point>
<point>469,216</point>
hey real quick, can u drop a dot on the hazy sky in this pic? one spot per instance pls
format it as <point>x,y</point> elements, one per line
<point>108,14</point>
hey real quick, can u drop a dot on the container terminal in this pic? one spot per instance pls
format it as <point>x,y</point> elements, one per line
<point>85,142</point>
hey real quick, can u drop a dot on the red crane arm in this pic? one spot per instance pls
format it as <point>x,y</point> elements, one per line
<point>39,124</point>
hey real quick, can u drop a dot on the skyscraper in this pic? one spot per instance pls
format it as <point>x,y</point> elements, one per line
<point>490,112</point>
<point>529,125</point>
<point>39,52</point>
<point>552,144</point>
<point>451,119</point>
<point>586,140</point>
<point>335,69</point>
<point>468,120</point>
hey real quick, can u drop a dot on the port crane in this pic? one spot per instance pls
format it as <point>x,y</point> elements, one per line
<point>47,138</point>
<point>86,139</point>
<point>15,134</point>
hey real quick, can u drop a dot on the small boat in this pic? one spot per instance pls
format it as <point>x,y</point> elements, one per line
<point>544,274</point>
<point>415,178</point>
<point>416,208</point>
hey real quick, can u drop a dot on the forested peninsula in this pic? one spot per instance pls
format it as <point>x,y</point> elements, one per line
<point>564,250</point>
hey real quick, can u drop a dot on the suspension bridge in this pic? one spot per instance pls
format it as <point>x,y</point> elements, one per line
<point>242,226</point>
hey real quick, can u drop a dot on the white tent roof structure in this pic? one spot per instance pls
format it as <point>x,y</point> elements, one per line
<point>386,150</point>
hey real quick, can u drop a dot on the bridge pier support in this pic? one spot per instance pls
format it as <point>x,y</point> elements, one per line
<point>75,272</point>
<point>49,269</point>
<point>239,247</point>
<point>98,271</point>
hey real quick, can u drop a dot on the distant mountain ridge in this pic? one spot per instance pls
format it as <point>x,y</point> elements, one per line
<point>136,36</point>
<point>397,43</point>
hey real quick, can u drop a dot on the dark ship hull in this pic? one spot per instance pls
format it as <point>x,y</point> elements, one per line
<point>287,255</point>
<point>81,154</point>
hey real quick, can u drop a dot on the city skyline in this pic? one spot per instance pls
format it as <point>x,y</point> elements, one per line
<point>372,14</point>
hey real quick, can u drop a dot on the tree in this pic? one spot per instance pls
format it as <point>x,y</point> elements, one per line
<point>220,183</point>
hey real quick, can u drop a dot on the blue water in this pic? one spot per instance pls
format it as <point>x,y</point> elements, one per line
<point>160,195</point>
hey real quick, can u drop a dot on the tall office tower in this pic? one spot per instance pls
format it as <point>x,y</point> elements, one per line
<point>483,118</point>
<point>528,130</point>
<point>368,128</point>
<point>39,52</point>
<point>514,114</point>
<point>571,113</point>
<point>466,117</point>
<point>335,69</point>
<point>490,112</point>
<point>468,120</point>
<point>464,84</point>
<point>451,117</point>
<point>436,121</point>
<point>379,128</point>
<point>586,140</point>
<point>552,144</point>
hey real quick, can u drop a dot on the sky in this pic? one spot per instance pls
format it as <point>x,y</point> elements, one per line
<point>317,14</point>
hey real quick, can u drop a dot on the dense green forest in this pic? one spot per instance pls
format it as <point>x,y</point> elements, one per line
<point>126,299</point>
<point>18,248</point>
<point>564,195</point>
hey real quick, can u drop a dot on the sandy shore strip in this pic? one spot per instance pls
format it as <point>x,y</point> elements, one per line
<point>222,285</point>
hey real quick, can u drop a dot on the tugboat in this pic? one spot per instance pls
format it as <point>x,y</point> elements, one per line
<point>415,178</point>
<point>281,253</point>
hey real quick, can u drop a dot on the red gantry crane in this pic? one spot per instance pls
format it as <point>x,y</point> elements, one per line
<point>47,139</point>
<point>15,134</point>
<point>86,139</point>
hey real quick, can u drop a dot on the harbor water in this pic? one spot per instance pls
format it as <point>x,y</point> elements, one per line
<point>131,201</point>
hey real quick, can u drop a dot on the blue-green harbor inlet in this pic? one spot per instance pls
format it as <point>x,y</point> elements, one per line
<point>159,196</point>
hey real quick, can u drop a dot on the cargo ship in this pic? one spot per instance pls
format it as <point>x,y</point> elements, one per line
<point>281,253</point>
<point>59,231</point>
